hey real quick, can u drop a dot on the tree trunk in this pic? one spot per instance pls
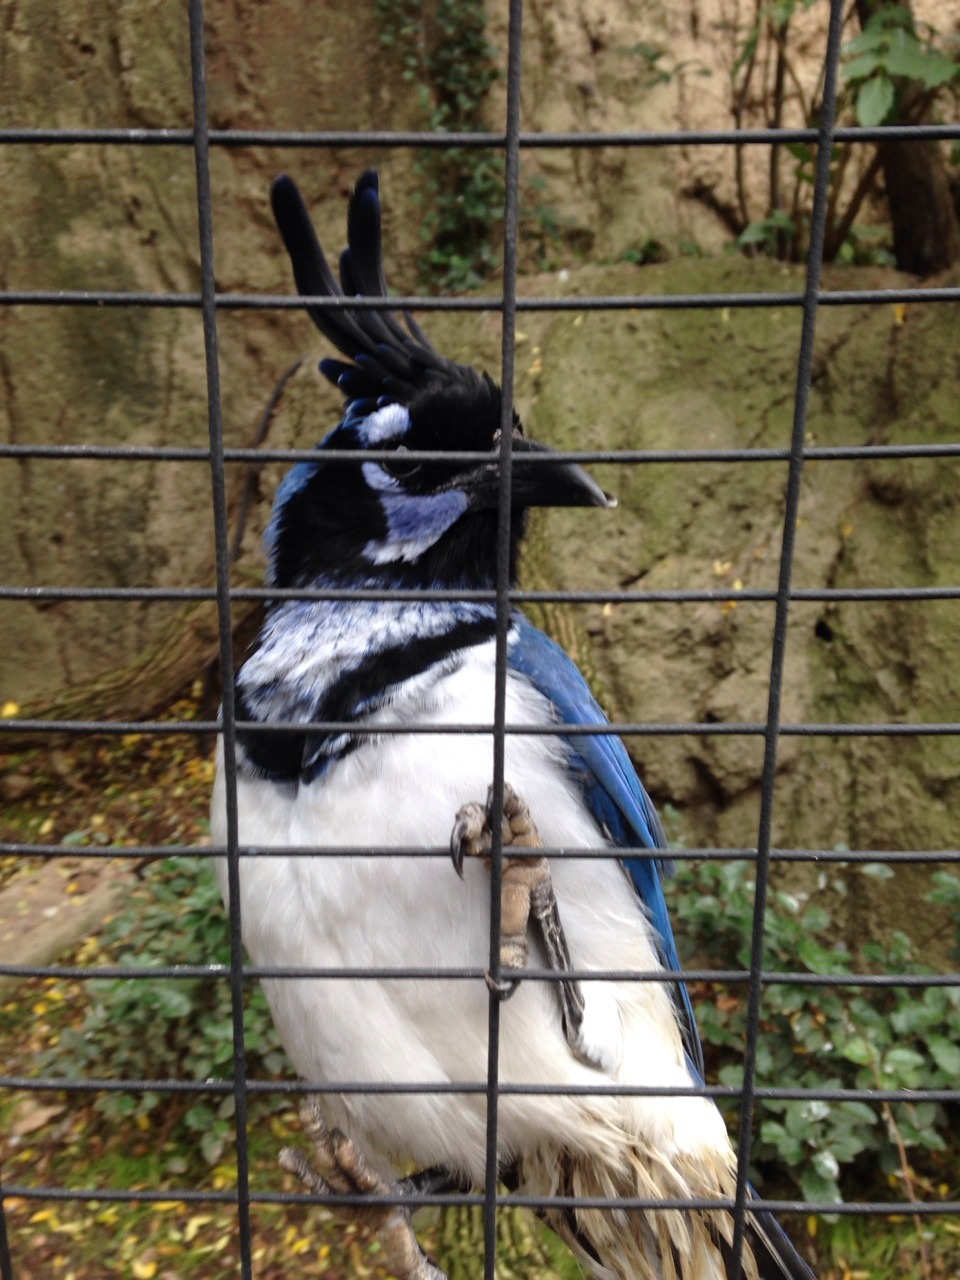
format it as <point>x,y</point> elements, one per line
<point>926,234</point>
<point>143,689</point>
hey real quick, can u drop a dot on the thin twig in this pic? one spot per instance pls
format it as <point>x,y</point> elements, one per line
<point>894,1130</point>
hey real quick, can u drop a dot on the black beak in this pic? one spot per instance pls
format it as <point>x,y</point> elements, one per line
<point>552,482</point>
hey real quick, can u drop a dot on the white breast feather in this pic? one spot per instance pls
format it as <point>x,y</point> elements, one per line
<point>405,790</point>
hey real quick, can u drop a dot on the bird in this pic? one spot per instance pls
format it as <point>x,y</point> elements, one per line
<point>361,673</point>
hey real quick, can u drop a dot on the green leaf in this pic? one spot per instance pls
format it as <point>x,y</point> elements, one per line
<point>904,1065</point>
<point>913,1017</point>
<point>789,1148</point>
<point>876,870</point>
<point>907,57</point>
<point>801,151</point>
<point>818,959</point>
<point>859,1051</point>
<point>814,1110</point>
<point>212,1143</point>
<point>827,1165</point>
<point>870,39</point>
<point>173,1002</point>
<point>945,1054</point>
<point>862,67</point>
<point>938,69</point>
<point>755,233</point>
<point>200,1116</point>
<point>816,1187</point>
<point>875,101</point>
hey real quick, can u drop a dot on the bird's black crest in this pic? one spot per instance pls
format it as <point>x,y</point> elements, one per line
<point>390,361</point>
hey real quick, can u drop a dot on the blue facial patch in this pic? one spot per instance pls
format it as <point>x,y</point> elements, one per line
<point>414,521</point>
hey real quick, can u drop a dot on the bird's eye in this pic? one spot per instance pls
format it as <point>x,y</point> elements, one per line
<point>398,466</point>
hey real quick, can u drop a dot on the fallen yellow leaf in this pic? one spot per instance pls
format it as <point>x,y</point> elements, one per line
<point>194,1224</point>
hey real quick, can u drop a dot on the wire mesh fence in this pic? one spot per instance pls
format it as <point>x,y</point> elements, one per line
<point>755,978</point>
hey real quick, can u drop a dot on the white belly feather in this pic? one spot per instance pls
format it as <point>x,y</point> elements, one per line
<point>405,790</point>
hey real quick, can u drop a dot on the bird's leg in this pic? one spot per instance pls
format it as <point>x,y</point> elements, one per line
<point>342,1169</point>
<point>521,876</point>
<point>526,890</point>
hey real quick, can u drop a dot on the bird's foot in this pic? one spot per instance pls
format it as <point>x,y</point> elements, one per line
<point>472,838</point>
<point>341,1169</point>
<point>526,890</point>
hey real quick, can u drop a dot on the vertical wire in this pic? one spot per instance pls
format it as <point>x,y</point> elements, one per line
<point>779,644</point>
<point>508,350</point>
<point>6,1262</point>
<point>201,149</point>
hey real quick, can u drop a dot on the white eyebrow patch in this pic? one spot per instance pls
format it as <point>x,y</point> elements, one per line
<point>387,423</point>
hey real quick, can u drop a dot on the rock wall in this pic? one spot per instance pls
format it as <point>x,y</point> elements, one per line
<point>717,379</point>
<point>124,218</point>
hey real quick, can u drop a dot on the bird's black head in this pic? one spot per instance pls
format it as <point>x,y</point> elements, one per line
<point>400,520</point>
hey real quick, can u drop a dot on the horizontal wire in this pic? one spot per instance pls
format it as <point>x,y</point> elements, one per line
<point>419,302</point>
<point>436,139</point>
<point>620,457</point>
<point>462,973</point>
<point>33,594</point>
<point>268,1088</point>
<point>898,1208</point>
<point>697,729</point>
<point>11,848</point>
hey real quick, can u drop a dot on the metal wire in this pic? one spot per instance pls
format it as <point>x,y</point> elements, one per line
<point>201,144</point>
<point>771,740</point>
<point>420,302</point>
<point>324,138</point>
<point>497,989</point>
<point>140,852</point>
<point>708,728</point>
<point>755,978</point>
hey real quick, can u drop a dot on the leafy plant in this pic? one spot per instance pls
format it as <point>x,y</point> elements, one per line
<point>824,1037</point>
<point>895,70</point>
<point>866,246</point>
<point>444,50</point>
<point>167,1028</point>
<point>812,1037</point>
<point>888,52</point>
<point>651,250</point>
<point>769,234</point>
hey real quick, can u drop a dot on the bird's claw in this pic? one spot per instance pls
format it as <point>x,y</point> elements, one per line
<point>470,836</point>
<point>342,1169</point>
<point>526,890</point>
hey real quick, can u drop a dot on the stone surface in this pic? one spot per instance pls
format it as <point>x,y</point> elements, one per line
<point>45,912</point>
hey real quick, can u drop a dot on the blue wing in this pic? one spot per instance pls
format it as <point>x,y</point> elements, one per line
<point>613,792</point>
